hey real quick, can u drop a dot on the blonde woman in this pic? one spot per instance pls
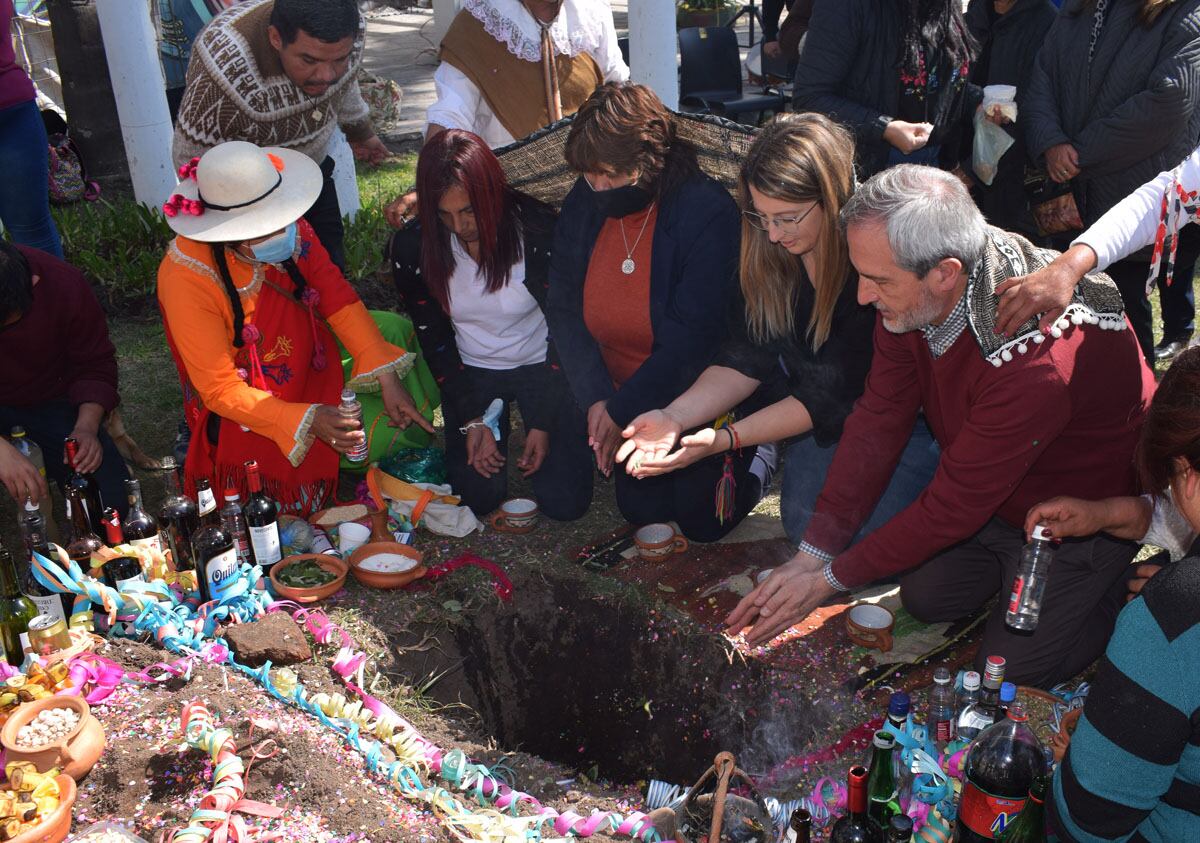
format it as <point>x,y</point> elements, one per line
<point>804,346</point>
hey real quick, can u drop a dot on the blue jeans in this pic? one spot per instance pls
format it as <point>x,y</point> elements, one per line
<point>25,188</point>
<point>806,463</point>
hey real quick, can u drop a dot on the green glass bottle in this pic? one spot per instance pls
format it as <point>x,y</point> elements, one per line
<point>16,611</point>
<point>882,790</point>
<point>1030,824</point>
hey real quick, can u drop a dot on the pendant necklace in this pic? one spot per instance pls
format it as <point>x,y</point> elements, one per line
<point>627,265</point>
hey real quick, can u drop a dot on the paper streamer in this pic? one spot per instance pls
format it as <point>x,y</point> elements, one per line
<point>214,819</point>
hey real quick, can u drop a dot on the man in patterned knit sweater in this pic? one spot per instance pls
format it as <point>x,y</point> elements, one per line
<point>281,73</point>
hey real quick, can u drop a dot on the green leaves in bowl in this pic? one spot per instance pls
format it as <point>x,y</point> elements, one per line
<point>305,574</point>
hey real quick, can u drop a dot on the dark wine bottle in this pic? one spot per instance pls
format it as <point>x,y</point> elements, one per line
<point>84,542</point>
<point>215,553</point>
<point>121,570</point>
<point>262,517</point>
<point>33,530</point>
<point>856,827</point>
<point>141,528</point>
<point>89,490</point>
<point>180,518</point>
<point>16,611</point>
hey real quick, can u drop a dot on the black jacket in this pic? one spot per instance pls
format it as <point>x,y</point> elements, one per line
<point>848,71</point>
<point>467,390</point>
<point>1133,113</point>
<point>692,287</point>
<point>1009,45</point>
<point>828,381</point>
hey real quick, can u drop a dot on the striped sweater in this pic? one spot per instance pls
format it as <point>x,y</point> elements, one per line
<point>237,90</point>
<point>1132,771</point>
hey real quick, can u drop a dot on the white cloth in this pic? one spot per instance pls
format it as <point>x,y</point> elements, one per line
<point>582,26</point>
<point>500,330</point>
<point>439,517</point>
<point>1169,529</point>
<point>1132,223</point>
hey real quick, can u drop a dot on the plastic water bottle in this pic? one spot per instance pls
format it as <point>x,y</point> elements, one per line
<point>941,707</point>
<point>29,449</point>
<point>352,409</point>
<point>1025,602</point>
<point>968,702</point>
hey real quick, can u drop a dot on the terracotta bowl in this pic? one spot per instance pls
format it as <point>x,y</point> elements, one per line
<point>56,827</point>
<point>74,753</point>
<point>378,579</point>
<point>332,564</point>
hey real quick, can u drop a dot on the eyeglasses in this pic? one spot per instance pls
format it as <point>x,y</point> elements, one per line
<point>786,225</point>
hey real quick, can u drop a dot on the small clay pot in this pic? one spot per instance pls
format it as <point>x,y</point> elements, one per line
<point>870,625</point>
<point>75,753</point>
<point>55,827</point>
<point>380,579</point>
<point>332,564</point>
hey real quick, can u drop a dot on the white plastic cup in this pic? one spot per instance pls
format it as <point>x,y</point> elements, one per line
<point>351,535</point>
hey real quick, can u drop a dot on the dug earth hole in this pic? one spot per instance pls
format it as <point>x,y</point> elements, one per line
<point>609,682</point>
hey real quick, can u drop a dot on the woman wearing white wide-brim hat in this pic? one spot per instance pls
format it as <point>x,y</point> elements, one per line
<point>254,310</point>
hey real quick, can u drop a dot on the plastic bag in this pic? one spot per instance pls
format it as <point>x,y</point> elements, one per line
<point>417,465</point>
<point>991,142</point>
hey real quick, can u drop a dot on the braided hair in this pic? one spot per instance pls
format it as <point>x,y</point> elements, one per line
<point>936,28</point>
<point>235,300</point>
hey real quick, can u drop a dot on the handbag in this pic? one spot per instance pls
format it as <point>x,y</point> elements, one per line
<point>1052,204</point>
<point>68,175</point>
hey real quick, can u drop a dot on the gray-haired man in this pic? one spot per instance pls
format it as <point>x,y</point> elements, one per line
<point>1018,420</point>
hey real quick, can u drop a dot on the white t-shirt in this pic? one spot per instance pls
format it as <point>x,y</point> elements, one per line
<point>500,330</point>
<point>582,26</point>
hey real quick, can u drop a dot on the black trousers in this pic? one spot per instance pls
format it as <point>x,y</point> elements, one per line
<point>1178,310</point>
<point>325,216</point>
<point>1085,591</point>
<point>688,496</point>
<point>49,425</point>
<point>562,486</point>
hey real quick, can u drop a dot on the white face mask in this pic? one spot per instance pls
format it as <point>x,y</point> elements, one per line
<point>278,248</point>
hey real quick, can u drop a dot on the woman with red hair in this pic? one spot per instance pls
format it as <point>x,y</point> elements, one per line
<point>472,273</point>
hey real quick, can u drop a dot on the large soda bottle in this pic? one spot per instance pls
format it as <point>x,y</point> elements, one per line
<point>942,713</point>
<point>999,770</point>
<point>1025,602</point>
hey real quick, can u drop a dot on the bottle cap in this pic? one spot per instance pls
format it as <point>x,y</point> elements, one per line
<point>885,740</point>
<point>17,432</point>
<point>1041,533</point>
<point>994,668</point>
<point>1016,711</point>
<point>899,704</point>
<point>1008,692</point>
<point>348,395</point>
<point>30,506</point>
<point>167,463</point>
<point>941,676</point>
<point>970,681</point>
<point>231,494</point>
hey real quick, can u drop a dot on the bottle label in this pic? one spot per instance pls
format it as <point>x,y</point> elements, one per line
<point>122,583</point>
<point>985,814</point>
<point>154,543</point>
<point>222,573</point>
<point>206,500</point>
<point>50,605</point>
<point>1014,599</point>
<point>973,720</point>
<point>265,541</point>
<point>26,647</point>
<point>945,731</point>
<point>790,837</point>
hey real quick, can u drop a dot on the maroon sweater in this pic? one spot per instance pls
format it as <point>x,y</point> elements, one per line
<point>15,87</point>
<point>59,350</point>
<point>1061,419</point>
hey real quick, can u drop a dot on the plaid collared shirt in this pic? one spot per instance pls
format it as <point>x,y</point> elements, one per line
<point>941,337</point>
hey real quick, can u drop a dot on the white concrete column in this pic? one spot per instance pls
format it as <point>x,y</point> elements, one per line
<point>653,45</point>
<point>443,15</point>
<point>139,88</point>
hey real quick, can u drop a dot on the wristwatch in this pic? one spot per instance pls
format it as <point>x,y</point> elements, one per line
<point>882,122</point>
